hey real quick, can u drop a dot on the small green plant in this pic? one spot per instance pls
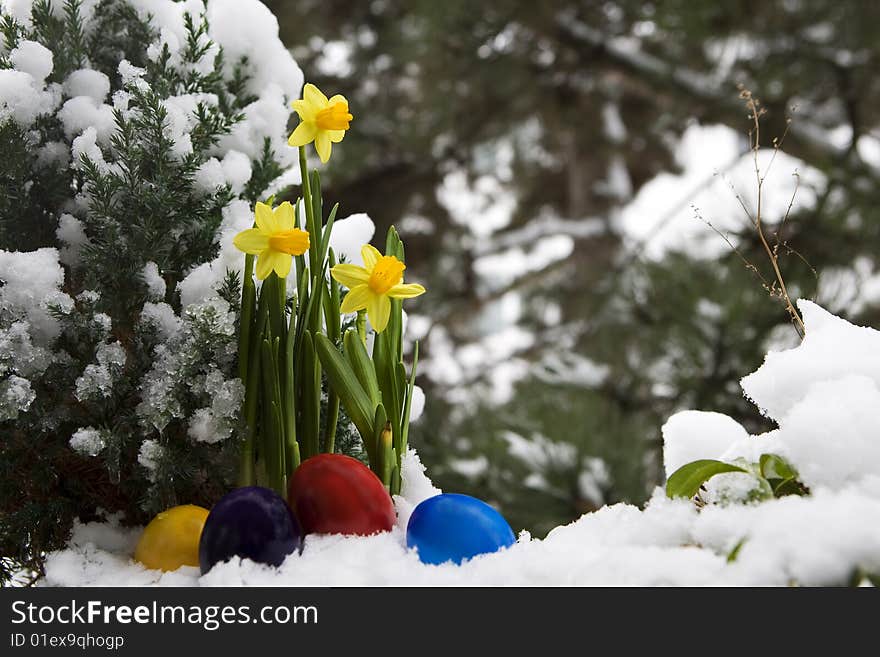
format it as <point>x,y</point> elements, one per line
<point>774,477</point>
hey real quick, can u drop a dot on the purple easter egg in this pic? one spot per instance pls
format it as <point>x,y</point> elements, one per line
<point>251,522</point>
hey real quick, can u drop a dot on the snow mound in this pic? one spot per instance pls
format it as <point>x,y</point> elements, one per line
<point>823,394</point>
<point>832,348</point>
<point>717,432</point>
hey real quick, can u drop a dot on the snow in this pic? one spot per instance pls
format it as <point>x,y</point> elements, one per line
<point>499,270</point>
<point>569,368</point>
<point>823,395</point>
<point>149,456</point>
<point>153,280</point>
<point>163,317</point>
<point>23,99</point>
<point>216,422</point>
<point>716,433</point>
<point>485,197</point>
<point>87,82</point>
<point>234,170</point>
<point>669,212</point>
<point>786,376</point>
<point>202,282</point>
<point>84,112</point>
<point>16,395</point>
<point>131,74</point>
<point>237,170</point>
<point>86,145</point>
<point>265,118</point>
<point>20,10</point>
<point>831,435</point>
<point>33,281</point>
<point>71,232</point>
<point>828,431</point>
<point>417,405</point>
<point>98,378</point>
<point>209,176</point>
<point>53,154</point>
<point>349,235</point>
<point>87,441</point>
<point>32,58</point>
<point>247,29</point>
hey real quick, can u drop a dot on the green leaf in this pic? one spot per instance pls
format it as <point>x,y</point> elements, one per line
<point>781,476</point>
<point>789,487</point>
<point>361,365</point>
<point>332,315</point>
<point>734,553</point>
<point>377,460</point>
<point>325,239</point>
<point>315,230</point>
<point>776,467</point>
<point>352,395</point>
<point>387,373</point>
<point>310,411</point>
<point>407,404</point>
<point>686,481</point>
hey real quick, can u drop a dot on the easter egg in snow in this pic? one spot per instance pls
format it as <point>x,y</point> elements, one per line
<point>171,540</point>
<point>336,494</point>
<point>453,527</point>
<point>250,522</point>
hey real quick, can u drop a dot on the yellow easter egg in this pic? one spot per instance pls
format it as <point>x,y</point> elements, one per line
<point>171,540</point>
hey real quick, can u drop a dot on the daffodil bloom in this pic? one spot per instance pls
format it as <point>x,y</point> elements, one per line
<point>274,241</point>
<point>321,120</point>
<point>372,286</point>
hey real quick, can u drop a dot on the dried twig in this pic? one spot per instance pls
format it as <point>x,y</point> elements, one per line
<point>756,111</point>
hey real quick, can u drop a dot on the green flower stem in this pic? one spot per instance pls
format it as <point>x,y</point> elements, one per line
<point>334,316</point>
<point>273,442</point>
<point>248,301</point>
<point>407,407</point>
<point>288,405</point>
<point>247,475</point>
<point>308,200</point>
<point>311,397</point>
<point>280,441</point>
<point>333,322</point>
<point>273,290</point>
<point>332,422</point>
<point>316,244</point>
<point>246,462</point>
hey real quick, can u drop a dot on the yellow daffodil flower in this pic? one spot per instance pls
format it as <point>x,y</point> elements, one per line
<point>321,120</point>
<point>274,241</point>
<point>372,286</point>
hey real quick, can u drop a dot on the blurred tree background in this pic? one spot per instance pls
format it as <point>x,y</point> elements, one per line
<point>507,139</point>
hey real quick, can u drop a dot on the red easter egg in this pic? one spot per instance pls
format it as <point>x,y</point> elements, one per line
<point>336,494</point>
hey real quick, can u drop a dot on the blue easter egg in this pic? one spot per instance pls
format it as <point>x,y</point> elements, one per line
<point>251,522</point>
<point>453,527</point>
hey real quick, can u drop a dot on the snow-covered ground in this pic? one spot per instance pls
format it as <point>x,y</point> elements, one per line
<point>824,396</point>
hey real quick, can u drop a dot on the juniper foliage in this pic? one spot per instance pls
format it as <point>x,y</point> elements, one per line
<point>130,403</point>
